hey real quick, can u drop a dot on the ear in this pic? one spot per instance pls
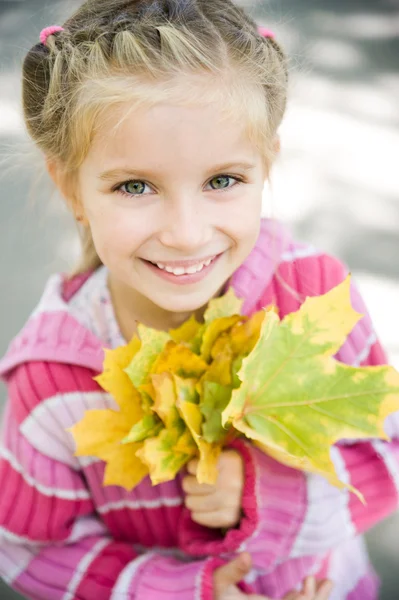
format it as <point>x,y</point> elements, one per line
<point>67,188</point>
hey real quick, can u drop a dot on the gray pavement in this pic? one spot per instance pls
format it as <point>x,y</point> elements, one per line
<point>336,183</point>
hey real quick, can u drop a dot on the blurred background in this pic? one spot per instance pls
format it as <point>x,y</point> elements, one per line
<point>336,183</point>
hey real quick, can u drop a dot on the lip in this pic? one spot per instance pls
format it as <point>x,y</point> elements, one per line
<point>183,279</point>
<point>185,263</point>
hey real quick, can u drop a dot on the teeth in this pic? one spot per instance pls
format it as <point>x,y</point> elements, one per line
<point>182,270</point>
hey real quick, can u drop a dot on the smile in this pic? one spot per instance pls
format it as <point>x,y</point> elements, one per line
<point>183,275</point>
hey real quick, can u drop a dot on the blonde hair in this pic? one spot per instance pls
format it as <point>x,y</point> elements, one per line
<point>117,52</point>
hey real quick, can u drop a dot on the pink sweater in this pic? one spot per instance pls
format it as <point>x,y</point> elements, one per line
<point>63,536</point>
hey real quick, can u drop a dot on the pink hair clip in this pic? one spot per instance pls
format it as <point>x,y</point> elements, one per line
<point>267,33</point>
<point>45,33</point>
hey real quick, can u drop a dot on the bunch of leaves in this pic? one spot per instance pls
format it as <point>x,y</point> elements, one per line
<point>188,392</point>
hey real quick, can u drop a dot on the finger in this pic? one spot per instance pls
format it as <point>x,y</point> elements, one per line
<point>309,588</point>
<point>233,572</point>
<point>203,504</point>
<point>192,466</point>
<point>191,486</point>
<point>324,589</point>
<point>292,596</point>
<point>214,520</point>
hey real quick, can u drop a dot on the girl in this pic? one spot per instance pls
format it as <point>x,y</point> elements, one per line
<point>158,122</point>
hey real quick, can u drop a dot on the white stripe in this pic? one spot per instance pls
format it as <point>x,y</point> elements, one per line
<point>19,540</point>
<point>51,300</point>
<point>43,489</point>
<point>45,427</point>
<point>304,252</point>
<point>86,527</point>
<point>382,449</point>
<point>83,528</point>
<point>391,425</point>
<point>87,461</point>
<point>170,552</point>
<point>121,589</point>
<point>327,520</point>
<point>137,504</point>
<point>254,574</point>
<point>366,350</point>
<point>199,581</point>
<point>13,562</point>
<point>82,568</point>
<point>349,564</point>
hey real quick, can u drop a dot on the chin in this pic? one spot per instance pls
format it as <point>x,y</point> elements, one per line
<point>183,302</point>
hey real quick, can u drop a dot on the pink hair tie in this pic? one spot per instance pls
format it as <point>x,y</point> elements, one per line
<point>45,33</point>
<point>267,33</point>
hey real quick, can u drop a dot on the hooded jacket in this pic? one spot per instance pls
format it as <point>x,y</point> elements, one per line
<point>65,536</point>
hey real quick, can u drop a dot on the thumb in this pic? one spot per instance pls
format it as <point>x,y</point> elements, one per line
<point>232,573</point>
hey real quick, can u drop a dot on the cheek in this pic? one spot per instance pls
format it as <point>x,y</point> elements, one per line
<point>243,220</point>
<point>116,233</point>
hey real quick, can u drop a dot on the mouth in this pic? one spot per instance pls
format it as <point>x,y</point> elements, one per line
<point>180,275</point>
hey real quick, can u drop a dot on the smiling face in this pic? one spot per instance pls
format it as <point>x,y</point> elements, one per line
<point>169,184</point>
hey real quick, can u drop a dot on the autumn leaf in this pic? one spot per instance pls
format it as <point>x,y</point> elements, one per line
<point>99,434</point>
<point>190,333</point>
<point>152,344</point>
<point>225,306</point>
<point>214,400</point>
<point>167,453</point>
<point>166,398</point>
<point>295,400</point>
<point>245,334</point>
<point>149,426</point>
<point>190,412</point>
<point>213,331</point>
<point>114,380</point>
<point>179,359</point>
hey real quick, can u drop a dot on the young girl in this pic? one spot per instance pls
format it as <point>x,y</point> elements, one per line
<point>158,121</point>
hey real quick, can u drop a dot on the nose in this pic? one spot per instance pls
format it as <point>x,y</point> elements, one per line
<point>187,226</point>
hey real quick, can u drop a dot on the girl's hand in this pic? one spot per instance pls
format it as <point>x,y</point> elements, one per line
<point>226,577</point>
<point>216,506</point>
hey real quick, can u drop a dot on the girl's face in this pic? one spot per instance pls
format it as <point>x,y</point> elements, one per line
<point>172,184</point>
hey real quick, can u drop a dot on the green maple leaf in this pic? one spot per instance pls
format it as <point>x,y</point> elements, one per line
<point>149,426</point>
<point>296,400</point>
<point>214,400</point>
<point>152,344</point>
<point>165,454</point>
<point>225,306</point>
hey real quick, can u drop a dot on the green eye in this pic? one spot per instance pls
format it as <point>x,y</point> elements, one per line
<point>221,182</point>
<point>134,187</point>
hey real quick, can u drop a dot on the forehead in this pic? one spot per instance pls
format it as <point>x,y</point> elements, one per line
<point>166,133</point>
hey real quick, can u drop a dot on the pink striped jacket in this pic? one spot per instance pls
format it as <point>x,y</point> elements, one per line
<point>63,536</point>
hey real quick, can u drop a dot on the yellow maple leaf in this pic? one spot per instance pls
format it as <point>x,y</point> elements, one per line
<point>100,432</point>
<point>179,359</point>
<point>165,398</point>
<point>191,415</point>
<point>165,454</point>
<point>213,331</point>
<point>152,343</point>
<point>225,306</point>
<point>296,400</point>
<point>115,381</point>
<point>187,331</point>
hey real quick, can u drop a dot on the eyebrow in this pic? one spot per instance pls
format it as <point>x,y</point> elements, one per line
<point>113,174</point>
